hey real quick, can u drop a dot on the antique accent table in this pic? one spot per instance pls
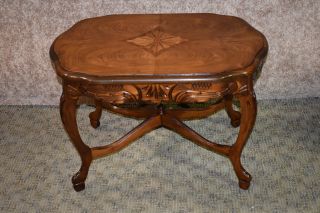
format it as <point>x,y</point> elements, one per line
<point>163,68</point>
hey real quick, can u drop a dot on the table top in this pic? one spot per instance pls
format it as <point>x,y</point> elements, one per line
<point>158,47</point>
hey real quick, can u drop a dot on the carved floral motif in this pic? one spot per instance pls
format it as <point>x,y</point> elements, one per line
<point>156,91</point>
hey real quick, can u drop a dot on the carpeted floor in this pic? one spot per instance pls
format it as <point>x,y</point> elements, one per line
<point>161,172</point>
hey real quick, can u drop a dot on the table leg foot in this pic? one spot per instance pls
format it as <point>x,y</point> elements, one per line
<point>77,185</point>
<point>78,179</point>
<point>96,115</point>
<point>235,123</point>
<point>94,123</point>
<point>244,184</point>
<point>243,176</point>
<point>235,116</point>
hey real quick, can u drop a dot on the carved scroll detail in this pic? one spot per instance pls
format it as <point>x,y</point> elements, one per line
<point>158,93</point>
<point>199,92</point>
<point>114,94</point>
<point>192,96</point>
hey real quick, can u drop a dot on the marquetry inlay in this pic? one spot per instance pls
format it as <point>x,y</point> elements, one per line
<point>156,40</point>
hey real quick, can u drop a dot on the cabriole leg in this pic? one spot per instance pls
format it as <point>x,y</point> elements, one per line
<point>68,106</point>
<point>233,115</point>
<point>248,108</point>
<point>96,115</point>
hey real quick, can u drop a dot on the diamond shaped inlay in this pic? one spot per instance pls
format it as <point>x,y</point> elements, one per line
<point>156,40</point>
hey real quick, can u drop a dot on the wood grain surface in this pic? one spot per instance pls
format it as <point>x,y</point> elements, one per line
<point>162,44</point>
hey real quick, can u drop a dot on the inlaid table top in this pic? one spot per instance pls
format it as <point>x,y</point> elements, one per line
<point>170,45</point>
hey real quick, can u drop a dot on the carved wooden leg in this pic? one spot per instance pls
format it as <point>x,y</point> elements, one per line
<point>248,108</point>
<point>68,105</point>
<point>96,115</point>
<point>233,115</point>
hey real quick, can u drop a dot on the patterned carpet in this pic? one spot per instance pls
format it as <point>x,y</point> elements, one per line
<point>161,172</point>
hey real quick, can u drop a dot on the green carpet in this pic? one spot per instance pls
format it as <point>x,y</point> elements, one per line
<point>161,172</point>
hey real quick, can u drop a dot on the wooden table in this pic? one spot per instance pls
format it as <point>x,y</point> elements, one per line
<point>159,68</point>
